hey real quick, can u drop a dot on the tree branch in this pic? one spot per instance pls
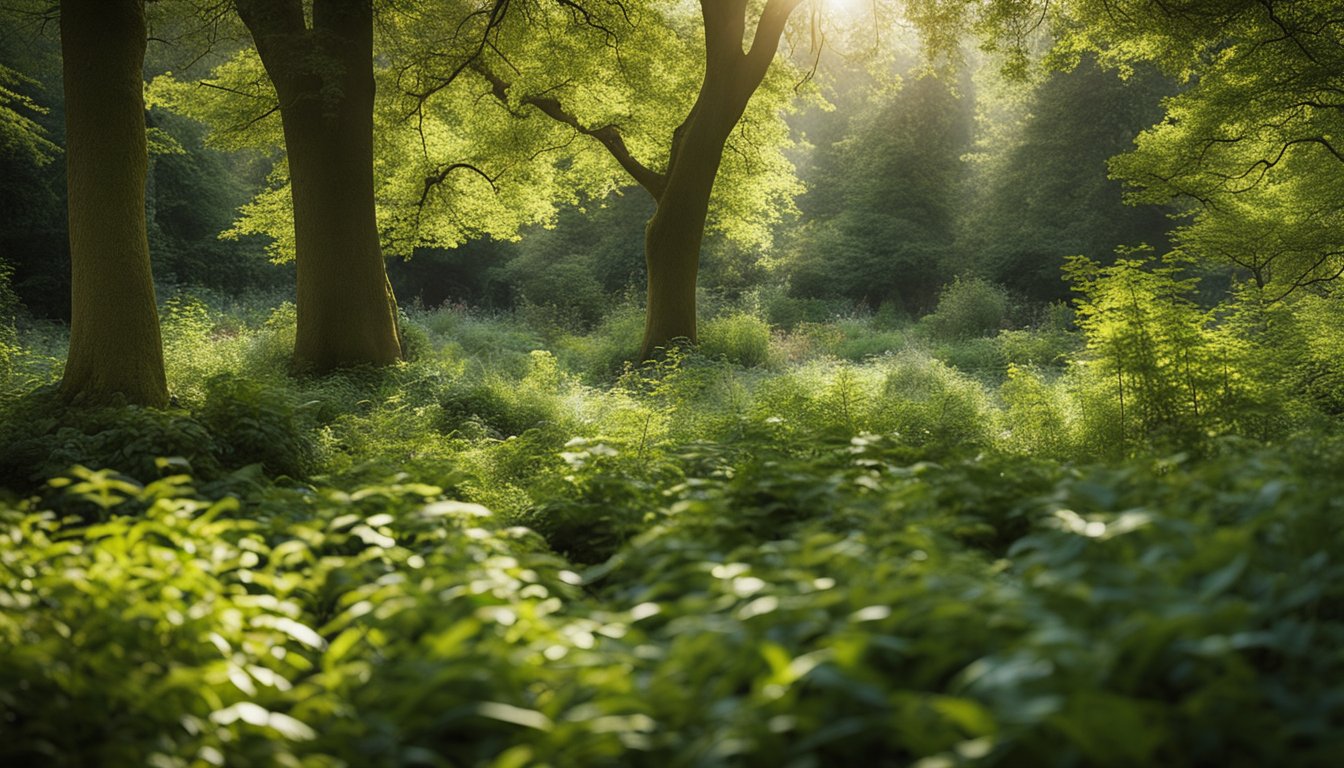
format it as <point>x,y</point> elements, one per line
<point>435,179</point>
<point>765,43</point>
<point>608,135</point>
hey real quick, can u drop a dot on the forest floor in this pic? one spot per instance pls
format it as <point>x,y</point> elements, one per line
<point>849,541</point>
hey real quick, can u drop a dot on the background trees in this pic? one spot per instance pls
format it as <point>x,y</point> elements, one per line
<point>885,510</point>
<point>887,190</point>
<point>1249,147</point>
<point>1040,188</point>
<point>660,94</point>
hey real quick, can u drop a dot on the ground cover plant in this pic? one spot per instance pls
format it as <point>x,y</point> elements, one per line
<point>491,560</point>
<point>784,383</point>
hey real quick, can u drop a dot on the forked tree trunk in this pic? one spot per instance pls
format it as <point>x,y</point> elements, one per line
<point>674,233</point>
<point>115,346</point>
<point>347,314</point>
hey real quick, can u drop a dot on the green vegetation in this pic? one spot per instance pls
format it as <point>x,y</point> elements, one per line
<point>767,383</point>
<point>724,559</point>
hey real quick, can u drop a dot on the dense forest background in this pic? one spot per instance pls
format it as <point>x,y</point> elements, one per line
<point>719,383</point>
<point>965,148</point>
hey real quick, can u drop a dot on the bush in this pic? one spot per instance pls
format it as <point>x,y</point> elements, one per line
<point>967,309</point>
<point>931,406</point>
<point>980,357</point>
<point>42,437</point>
<point>254,423</point>
<point>739,338</point>
<point>415,341</point>
<point>1052,342</point>
<point>784,311</point>
<point>1161,358</point>
<point>834,563</point>
<point>603,355</point>
<point>497,406</point>
<point>870,338</point>
<point>1036,417</point>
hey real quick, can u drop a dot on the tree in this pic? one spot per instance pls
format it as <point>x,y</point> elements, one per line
<point>115,346</point>
<point>323,77</point>
<point>1041,192</point>
<point>882,201</point>
<point>358,178</point>
<point>1251,146</point>
<point>583,93</point>
<point>682,187</point>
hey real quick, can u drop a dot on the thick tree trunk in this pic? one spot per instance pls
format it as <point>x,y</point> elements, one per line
<point>674,233</point>
<point>347,314</point>
<point>115,346</point>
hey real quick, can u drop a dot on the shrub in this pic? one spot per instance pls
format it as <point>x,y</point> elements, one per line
<point>1045,346</point>
<point>807,341</point>
<point>603,355</point>
<point>979,357</point>
<point>497,406</point>
<point>784,311</point>
<point>870,338</point>
<point>564,295</point>
<point>739,338</point>
<point>968,308</point>
<point>1156,354</point>
<point>1036,418</point>
<point>415,341</point>
<point>42,437</point>
<point>931,406</point>
<point>254,423</point>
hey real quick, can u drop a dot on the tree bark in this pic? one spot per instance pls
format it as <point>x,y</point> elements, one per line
<point>674,233</point>
<point>347,314</point>
<point>116,350</point>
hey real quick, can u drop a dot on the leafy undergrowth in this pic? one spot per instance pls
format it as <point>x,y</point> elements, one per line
<point>810,547</point>
<point>770,608</point>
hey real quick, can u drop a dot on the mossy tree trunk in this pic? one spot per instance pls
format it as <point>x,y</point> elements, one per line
<point>323,75</point>
<point>116,349</point>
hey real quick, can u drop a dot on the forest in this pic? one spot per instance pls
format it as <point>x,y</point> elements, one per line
<point>798,383</point>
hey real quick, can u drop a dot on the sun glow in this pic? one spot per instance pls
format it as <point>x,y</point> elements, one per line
<point>846,8</point>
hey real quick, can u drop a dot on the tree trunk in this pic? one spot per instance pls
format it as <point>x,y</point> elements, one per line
<point>674,233</point>
<point>115,345</point>
<point>347,314</point>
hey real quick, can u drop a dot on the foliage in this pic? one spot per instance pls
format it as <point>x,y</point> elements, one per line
<point>740,338</point>
<point>20,135</point>
<point>1248,146</point>
<point>1040,188</point>
<point>866,240</point>
<point>1171,369</point>
<point>835,532</point>
<point>9,306</point>
<point>833,606</point>
<point>967,309</point>
<point>255,424</point>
